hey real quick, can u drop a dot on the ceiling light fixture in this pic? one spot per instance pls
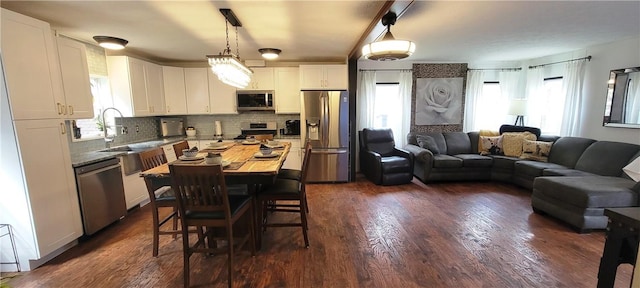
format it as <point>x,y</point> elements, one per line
<point>269,53</point>
<point>388,49</point>
<point>109,42</point>
<point>227,66</point>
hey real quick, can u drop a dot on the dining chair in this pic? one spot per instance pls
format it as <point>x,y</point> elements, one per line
<point>263,137</point>
<point>203,202</point>
<point>178,147</point>
<point>292,174</point>
<point>287,190</point>
<point>160,195</point>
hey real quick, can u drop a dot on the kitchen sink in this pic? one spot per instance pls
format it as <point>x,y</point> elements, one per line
<point>130,160</point>
<point>117,149</point>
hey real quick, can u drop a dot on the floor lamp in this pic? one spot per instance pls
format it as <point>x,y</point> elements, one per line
<point>518,107</point>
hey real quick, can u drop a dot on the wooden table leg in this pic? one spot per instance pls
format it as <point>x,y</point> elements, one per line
<point>620,247</point>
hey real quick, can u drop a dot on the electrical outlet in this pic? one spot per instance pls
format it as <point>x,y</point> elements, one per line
<point>137,129</point>
<point>124,130</point>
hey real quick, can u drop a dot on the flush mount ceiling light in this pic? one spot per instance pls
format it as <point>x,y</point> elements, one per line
<point>227,66</point>
<point>109,42</point>
<point>388,49</point>
<point>269,53</point>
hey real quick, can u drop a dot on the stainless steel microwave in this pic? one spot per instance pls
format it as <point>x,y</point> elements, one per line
<point>255,100</point>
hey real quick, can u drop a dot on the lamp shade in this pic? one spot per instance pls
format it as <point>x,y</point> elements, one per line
<point>633,169</point>
<point>230,70</point>
<point>518,107</point>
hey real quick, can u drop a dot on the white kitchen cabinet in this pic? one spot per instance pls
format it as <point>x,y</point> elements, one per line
<point>135,190</point>
<point>287,90</point>
<point>262,79</point>
<point>221,96</point>
<point>31,67</point>
<point>175,97</point>
<point>197,90</point>
<point>294,158</point>
<point>169,153</point>
<point>323,77</point>
<point>78,101</point>
<point>53,211</point>
<point>136,86</point>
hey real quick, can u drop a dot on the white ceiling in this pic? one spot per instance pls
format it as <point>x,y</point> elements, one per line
<point>319,31</point>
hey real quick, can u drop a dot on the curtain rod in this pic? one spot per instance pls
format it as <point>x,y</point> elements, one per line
<point>385,70</point>
<point>496,69</point>
<point>588,58</point>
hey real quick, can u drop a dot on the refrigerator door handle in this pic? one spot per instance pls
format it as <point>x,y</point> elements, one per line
<point>326,120</point>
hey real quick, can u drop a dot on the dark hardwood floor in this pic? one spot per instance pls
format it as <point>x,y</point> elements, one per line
<point>362,235</point>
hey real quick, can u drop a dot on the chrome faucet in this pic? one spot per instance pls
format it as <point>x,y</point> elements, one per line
<point>107,138</point>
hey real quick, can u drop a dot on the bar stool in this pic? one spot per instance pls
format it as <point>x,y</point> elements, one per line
<point>13,245</point>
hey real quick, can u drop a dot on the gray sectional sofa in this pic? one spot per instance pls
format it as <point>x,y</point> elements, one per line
<point>581,177</point>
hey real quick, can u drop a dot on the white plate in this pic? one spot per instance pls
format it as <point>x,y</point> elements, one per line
<point>225,163</point>
<point>274,146</point>
<point>185,158</point>
<point>272,155</point>
<point>218,147</point>
<point>245,142</point>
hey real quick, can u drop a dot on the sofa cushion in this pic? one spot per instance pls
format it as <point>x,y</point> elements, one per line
<point>395,164</point>
<point>534,168</point>
<point>588,191</point>
<point>427,142</point>
<point>457,143</point>
<point>491,145</point>
<point>606,158</point>
<point>446,161</point>
<point>475,160</point>
<point>535,150</point>
<point>566,172</point>
<point>503,162</point>
<point>512,142</point>
<point>567,150</point>
<point>379,140</point>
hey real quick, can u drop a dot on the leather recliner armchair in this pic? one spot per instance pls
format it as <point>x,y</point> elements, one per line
<point>380,161</point>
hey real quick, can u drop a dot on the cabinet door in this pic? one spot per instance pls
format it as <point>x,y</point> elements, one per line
<point>135,190</point>
<point>31,67</point>
<point>336,77</point>
<point>293,160</point>
<point>75,79</point>
<point>154,87</point>
<point>175,98</point>
<point>197,90</point>
<point>311,77</point>
<point>262,79</point>
<point>222,96</point>
<point>138,88</point>
<point>287,92</point>
<point>50,183</point>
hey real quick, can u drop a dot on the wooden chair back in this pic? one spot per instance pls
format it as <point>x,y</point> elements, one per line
<point>178,147</point>
<point>200,188</point>
<point>263,137</point>
<point>305,163</point>
<point>152,158</point>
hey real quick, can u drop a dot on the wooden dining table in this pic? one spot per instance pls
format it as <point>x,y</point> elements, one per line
<point>245,166</point>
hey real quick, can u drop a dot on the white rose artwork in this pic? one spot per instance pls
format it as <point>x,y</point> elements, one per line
<point>438,101</point>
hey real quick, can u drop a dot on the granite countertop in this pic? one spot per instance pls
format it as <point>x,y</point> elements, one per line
<point>81,159</point>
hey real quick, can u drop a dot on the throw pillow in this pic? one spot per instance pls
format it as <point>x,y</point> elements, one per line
<point>512,142</point>
<point>427,142</point>
<point>491,145</point>
<point>484,132</point>
<point>536,150</point>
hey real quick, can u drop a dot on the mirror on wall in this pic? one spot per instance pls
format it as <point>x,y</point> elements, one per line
<point>622,108</point>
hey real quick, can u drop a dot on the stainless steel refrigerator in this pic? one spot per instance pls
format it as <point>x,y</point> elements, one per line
<point>326,123</point>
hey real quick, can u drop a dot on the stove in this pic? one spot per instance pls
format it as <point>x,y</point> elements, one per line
<point>257,128</point>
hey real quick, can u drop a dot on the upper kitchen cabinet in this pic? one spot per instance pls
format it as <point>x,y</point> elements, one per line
<point>323,77</point>
<point>31,67</point>
<point>262,79</point>
<point>175,97</point>
<point>222,96</point>
<point>287,92</point>
<point>136,85</point>
<point>197,90</point>
<point>75,79</point>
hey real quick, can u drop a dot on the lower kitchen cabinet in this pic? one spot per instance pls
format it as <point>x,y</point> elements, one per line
<point>294,159</point>
<point>135,190</point>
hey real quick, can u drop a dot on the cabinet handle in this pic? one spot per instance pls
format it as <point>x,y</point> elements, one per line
<point>207,108</point>
<point>168,109</point>
<point>63,129</point>
<point>70,109</point>
<point>59,108</point>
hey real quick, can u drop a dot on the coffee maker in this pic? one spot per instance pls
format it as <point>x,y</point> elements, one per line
<point>292,127</point>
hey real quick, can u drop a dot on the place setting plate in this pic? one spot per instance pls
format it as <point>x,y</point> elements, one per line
<point>245,142</point>
<point>184,158</point>
<point>280,145</point>
<point>221,147</point>
<point>272,155</point>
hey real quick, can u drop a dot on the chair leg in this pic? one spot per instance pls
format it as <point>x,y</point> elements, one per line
<point>252,231</point>
<point>156,227</point>
<point>175,221</point>
<point>186,254</point>
<point>303,218</point>
<point>230,240</point>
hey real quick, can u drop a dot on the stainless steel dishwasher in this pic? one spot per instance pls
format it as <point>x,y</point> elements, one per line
<point>101,194</point>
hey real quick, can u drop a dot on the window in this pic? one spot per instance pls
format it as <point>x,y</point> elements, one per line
<point>388,108</point>
<point>550,107</point>
<point>92,128</point>
<point>491,107</point>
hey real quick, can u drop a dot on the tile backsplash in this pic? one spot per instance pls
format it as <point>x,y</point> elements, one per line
<point>147,128</point>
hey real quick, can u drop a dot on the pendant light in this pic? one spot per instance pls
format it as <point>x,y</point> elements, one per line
<point>388,49</point>
<point>227,66</point>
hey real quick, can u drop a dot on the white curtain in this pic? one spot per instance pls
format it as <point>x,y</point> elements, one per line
<point>406,83</point>
<point>475,82</point>
<point>509,89</point>
<point>633,101</point>
<point>536,99</point>
<point>573,79</point>
<point>366,96</point>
